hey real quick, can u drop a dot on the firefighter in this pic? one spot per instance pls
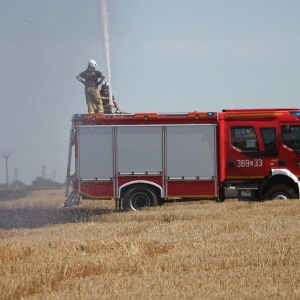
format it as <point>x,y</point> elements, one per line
<point>104,93</point>
<point>89,78</point>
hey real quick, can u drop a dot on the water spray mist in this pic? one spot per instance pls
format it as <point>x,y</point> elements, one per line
<point>104,18</point>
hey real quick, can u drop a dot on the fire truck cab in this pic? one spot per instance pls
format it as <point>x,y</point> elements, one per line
<point>143,159</point>
<point>259,153</point>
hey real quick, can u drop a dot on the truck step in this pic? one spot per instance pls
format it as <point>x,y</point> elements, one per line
<point>248,192</point>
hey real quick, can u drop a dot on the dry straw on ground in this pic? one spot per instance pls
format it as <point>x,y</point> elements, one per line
<point>192,250</point>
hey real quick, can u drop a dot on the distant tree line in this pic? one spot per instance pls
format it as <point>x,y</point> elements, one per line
<point>37,184</point>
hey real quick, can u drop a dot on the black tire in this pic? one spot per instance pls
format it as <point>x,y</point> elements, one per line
<point>139,197</point>
<point>280,192</point>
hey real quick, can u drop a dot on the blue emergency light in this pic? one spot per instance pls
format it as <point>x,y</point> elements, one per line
<point>210,114</point>
<point>295,113</point>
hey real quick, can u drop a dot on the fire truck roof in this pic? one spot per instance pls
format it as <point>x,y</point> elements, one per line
<point>146,117</point>
<point>194,117</point>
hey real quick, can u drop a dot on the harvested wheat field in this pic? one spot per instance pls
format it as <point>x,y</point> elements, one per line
<point>190,250</point>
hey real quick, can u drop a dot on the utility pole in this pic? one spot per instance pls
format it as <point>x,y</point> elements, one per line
<point>16,178</point>
<point>53,174</point>
<point>6,156</point>
<point>16,174</point>
<point>43,172</point>
<point>43,176</point>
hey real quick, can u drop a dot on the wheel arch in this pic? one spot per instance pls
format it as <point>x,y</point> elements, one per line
<point>123,188</point>
<point>281,176</point>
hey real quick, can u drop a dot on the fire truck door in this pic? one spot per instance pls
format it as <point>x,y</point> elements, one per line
<point>245,155</point>
<point>270,140</point>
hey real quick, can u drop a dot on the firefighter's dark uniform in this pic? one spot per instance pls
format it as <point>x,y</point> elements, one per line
<point>105,101</point>
<point>92,93</point>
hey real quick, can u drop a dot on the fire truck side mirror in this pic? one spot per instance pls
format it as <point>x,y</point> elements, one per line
<point>286,128</point>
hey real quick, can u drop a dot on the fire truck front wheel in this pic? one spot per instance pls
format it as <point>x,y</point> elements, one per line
<point>280,192</point>
<point>139,197</point>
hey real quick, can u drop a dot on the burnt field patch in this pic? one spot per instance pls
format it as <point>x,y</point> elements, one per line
<point>39,217</point>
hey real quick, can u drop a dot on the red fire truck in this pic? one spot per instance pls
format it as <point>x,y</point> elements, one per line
<point>142,159</point>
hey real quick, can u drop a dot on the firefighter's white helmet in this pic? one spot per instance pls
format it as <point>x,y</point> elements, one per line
<point>105,86</point>
<point>92,63</point>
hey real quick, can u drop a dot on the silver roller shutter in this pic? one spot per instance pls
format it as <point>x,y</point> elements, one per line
<point>139,149</point>
<point>95,152</point>
<point>191,151</point>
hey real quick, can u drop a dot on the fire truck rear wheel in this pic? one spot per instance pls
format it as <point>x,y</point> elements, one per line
<point>139,197</point>
<point>280,192</point>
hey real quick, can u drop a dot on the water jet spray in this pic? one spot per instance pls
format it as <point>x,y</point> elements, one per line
<point>104,18</point>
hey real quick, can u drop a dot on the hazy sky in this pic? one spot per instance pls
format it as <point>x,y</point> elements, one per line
<point>166,56</point>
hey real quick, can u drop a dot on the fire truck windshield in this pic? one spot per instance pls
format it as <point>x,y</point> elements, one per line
<point>291,137</point>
